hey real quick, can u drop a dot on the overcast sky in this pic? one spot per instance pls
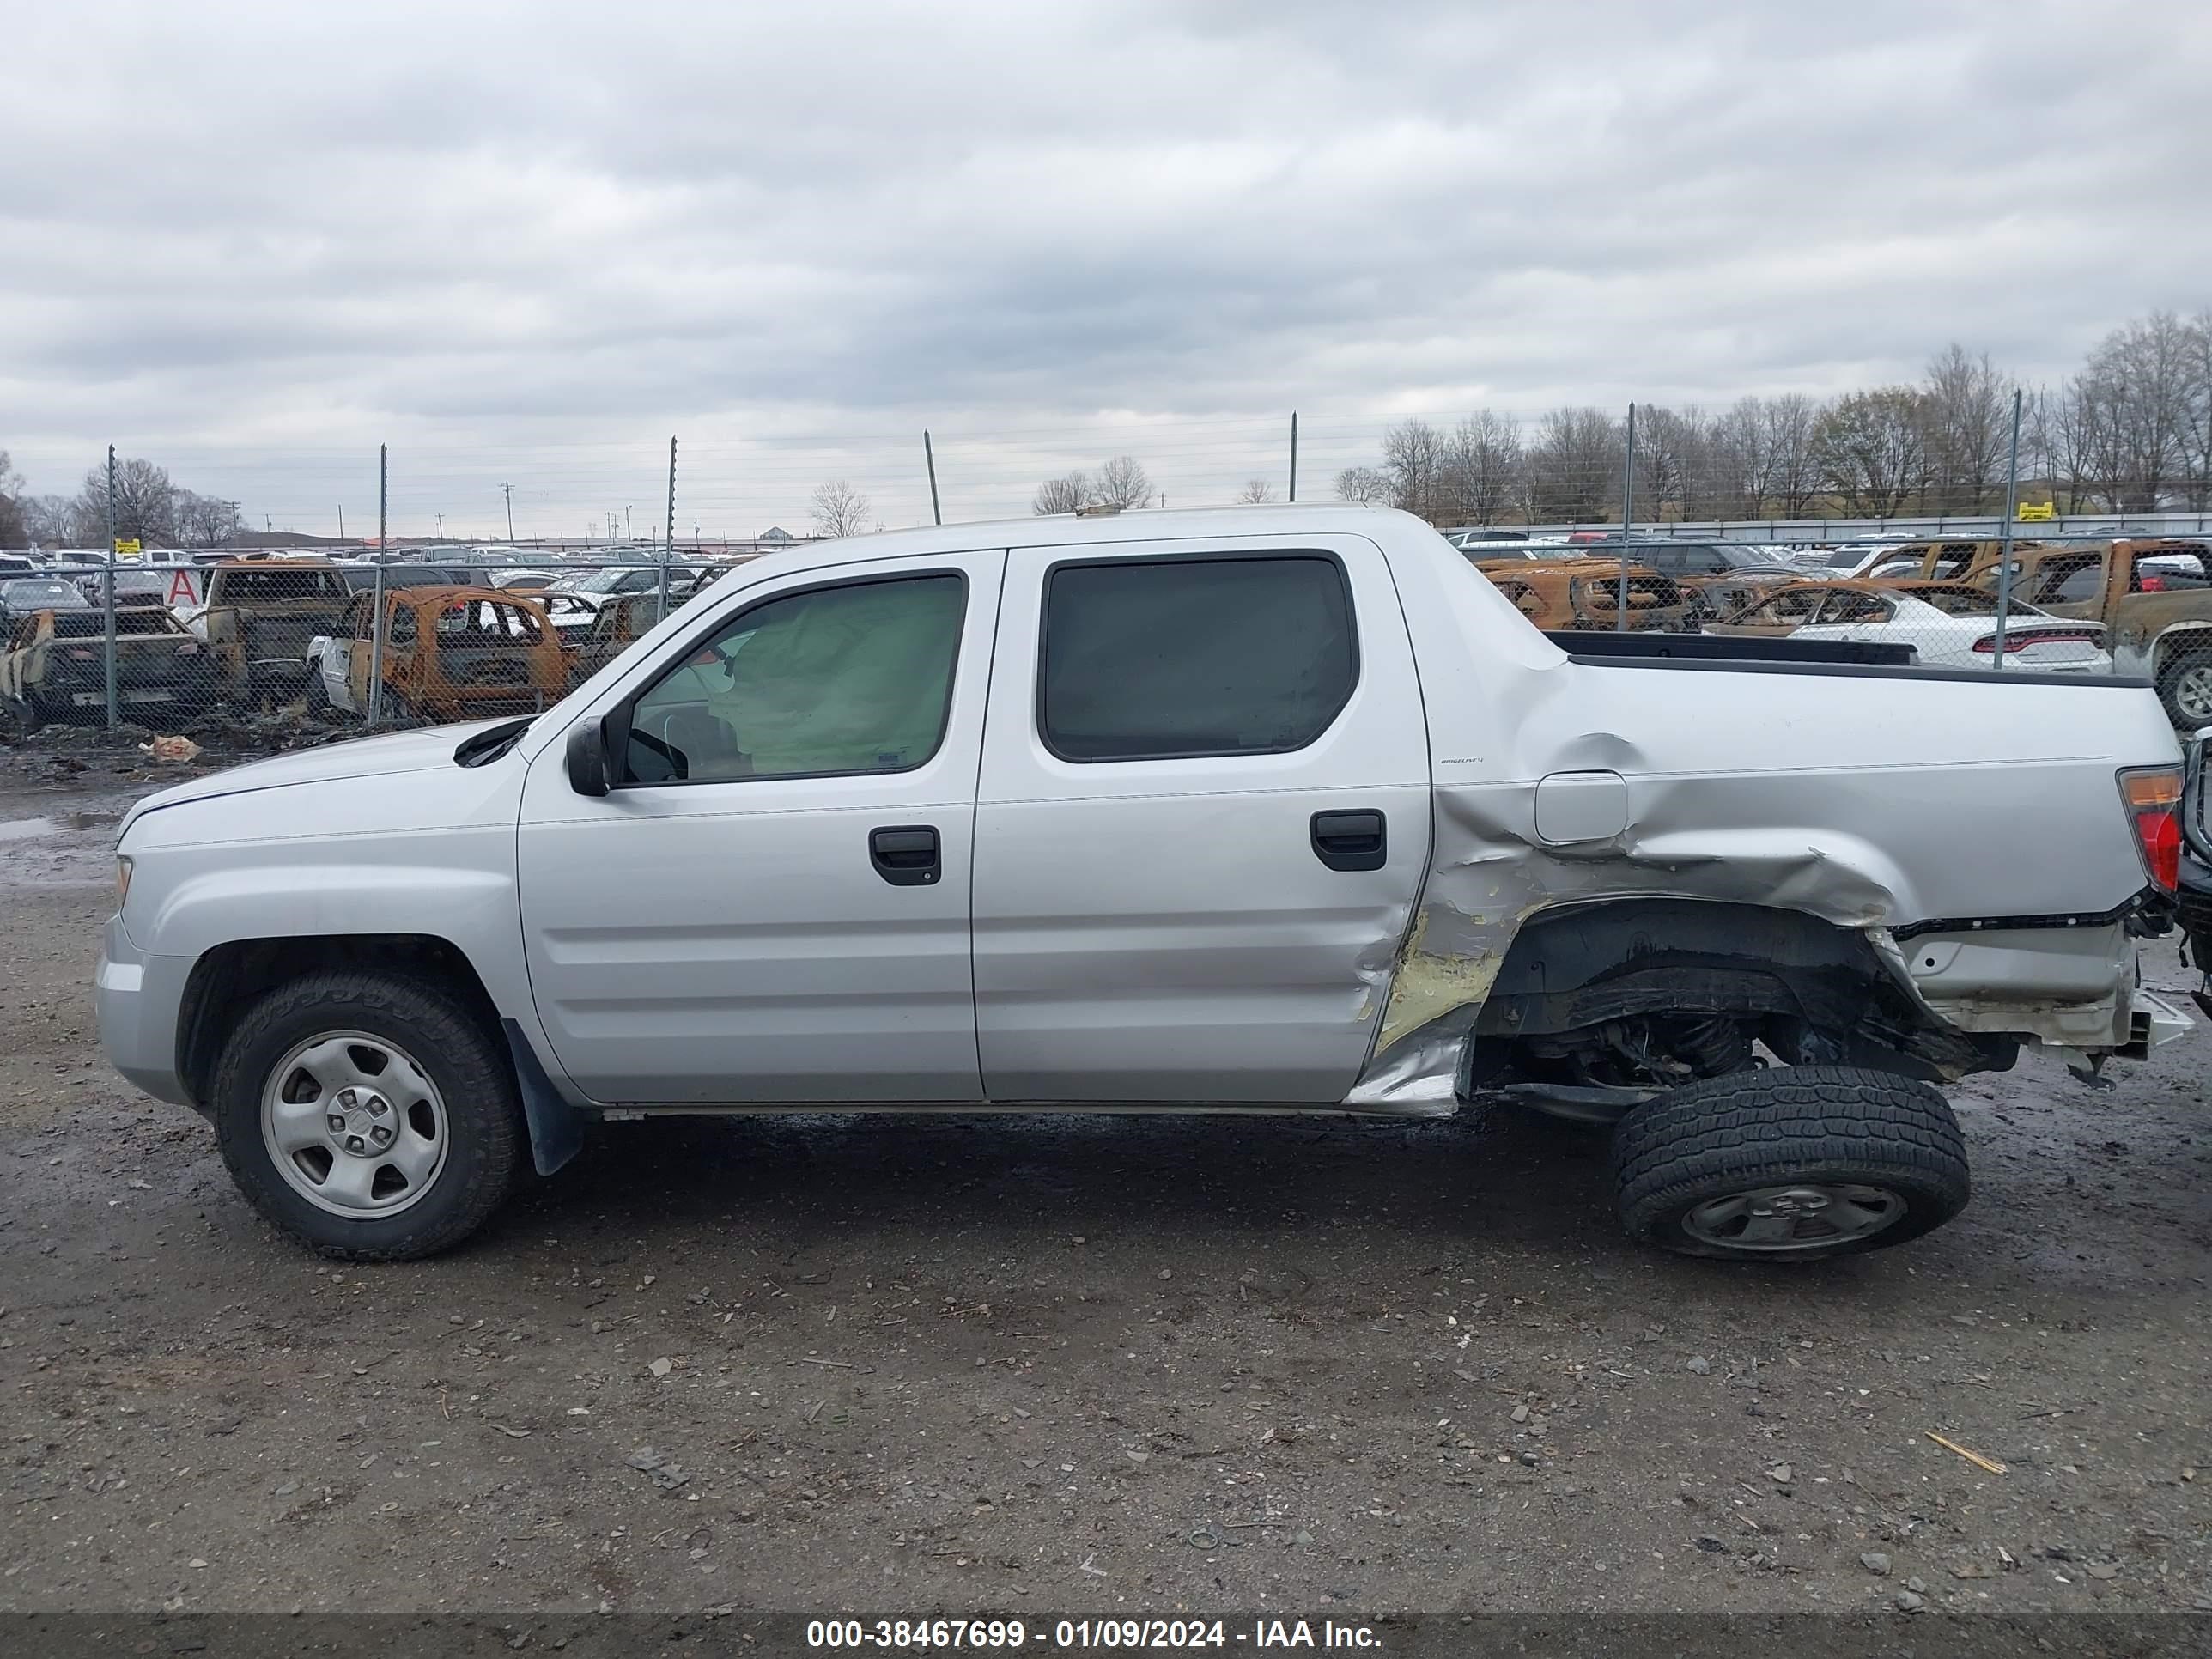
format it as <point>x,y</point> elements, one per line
<point>527,243</point>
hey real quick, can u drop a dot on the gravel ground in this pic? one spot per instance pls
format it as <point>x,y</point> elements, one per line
<point>1205,1365</point>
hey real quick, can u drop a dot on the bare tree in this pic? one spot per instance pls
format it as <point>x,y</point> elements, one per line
<point>2141,375</point>
<point>1481,473</point>
<point>1413,460</point>
<point>145,506</point>
<point>13,532</point>
<point>1574,467</point>
<point>1256,490</point>
<point>1965,404</point>
<point>1873,449</point>
<point>840,510</point>
<point>1670,461</point>
<point>204,521</point>
<point>46,519</point>
<point>1791,420</point>
<point>2197,417</point>
<point>1363,486</point>
<point>1061,494</point>
<point>1743,459</point>
<point>1122,482</point>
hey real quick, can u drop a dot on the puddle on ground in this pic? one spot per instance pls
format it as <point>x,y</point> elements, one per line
<point>55,825</point>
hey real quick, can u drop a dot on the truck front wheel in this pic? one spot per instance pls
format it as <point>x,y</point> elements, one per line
<point>371,1117</point>
<point>1794,1164</point>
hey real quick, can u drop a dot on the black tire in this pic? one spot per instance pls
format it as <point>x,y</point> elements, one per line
<point>318,696</point>
<point>1820,1127</point>
<point>2186,677</point>
<point>486,1142</point>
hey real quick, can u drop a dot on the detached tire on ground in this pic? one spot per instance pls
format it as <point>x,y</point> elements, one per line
<point>1794,1164</point>
<point>373,1117</point>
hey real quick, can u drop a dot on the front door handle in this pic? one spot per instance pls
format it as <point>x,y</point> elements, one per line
<point>906,855</point>
<point>1351,840</point>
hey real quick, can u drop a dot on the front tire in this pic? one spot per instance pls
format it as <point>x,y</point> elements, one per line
<point>1796,1163</point>
<point>371,1117</point>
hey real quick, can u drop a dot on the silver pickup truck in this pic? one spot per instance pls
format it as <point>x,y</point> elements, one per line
<point>1266,809</point>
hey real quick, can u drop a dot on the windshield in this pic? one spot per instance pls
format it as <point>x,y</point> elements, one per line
<point>276,585</point>
<point>39,596</point>
<point>600,582</point>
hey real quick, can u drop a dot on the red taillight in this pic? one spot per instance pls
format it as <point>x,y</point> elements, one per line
<point>2153,794</point>
<point>2154,584</point>
<point>1987,644</point>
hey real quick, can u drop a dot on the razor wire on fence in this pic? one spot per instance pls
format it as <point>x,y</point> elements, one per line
<point>282,636</point>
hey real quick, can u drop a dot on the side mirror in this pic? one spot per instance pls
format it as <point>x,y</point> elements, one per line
<point>589,773</point>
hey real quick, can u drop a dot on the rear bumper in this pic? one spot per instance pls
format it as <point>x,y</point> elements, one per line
<point>137,998</point>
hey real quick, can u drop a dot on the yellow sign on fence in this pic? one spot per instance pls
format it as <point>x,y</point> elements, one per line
<point>128,550</point>
<point>2037,510</point>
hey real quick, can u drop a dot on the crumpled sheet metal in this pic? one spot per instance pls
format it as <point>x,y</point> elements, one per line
<point>1490,873</point>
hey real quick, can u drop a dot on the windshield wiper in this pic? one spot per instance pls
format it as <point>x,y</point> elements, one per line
<point>488,745</point>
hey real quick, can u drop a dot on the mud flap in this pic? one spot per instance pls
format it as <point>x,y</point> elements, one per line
<point>557,1128</point>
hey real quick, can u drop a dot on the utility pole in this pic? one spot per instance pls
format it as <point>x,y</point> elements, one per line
<point>929,458</point>
<point>107,601</point>
<point>375,709</point>
<point>1627,511</point>
<point>2004,541</point>
<point>341,520</point>
<point>629,535</point>
<point>1294,454</point>
<point>441,526</point>
<point>509,490</point>
<point>667,547</point>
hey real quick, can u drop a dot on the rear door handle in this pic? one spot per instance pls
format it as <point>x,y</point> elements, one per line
<point>906,855</point>
<point>1351,840</point>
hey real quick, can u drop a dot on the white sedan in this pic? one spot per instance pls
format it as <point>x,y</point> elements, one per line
<point>1946,624</point>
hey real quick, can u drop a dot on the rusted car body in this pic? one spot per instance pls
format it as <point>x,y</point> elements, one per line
<point>449,654</point>
<point>620,622</point>
<point>257,617</point>
<point>2156,624</point>
<point>55,668</point>
<point>1572,595</point>
<point>1955,561</point>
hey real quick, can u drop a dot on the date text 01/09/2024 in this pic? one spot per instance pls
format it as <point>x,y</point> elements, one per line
<point>1121,1634</point>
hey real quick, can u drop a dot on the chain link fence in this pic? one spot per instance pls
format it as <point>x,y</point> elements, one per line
<point>273,650</point>
<point>268,650</point>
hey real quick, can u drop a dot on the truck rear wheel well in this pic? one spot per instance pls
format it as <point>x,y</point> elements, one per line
<point>1645,993</point>
<point>230,975</point>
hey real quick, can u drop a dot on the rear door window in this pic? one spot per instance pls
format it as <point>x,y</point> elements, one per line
<point>1168,659</point>
<point>2070,581</point>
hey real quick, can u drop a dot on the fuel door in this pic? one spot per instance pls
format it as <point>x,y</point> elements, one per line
<point>1575,808</point>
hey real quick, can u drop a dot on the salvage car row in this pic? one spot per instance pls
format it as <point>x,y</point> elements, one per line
<point>453,642</point>
<point>2137,608</point>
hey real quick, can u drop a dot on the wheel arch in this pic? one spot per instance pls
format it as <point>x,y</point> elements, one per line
<point>227,976</point>
<point>1823,989</point>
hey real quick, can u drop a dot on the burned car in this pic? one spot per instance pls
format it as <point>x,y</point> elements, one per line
<point>2157,621</point>
<point>619,623</point>
<point>55,668</point>
<point>448,653</point>
<point>257,617</point>
<point>1583,595</point>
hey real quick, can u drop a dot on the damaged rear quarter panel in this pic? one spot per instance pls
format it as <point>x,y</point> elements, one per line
<point>1868,801</point>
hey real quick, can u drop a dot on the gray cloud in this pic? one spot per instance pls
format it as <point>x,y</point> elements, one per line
<point>254,241</point>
